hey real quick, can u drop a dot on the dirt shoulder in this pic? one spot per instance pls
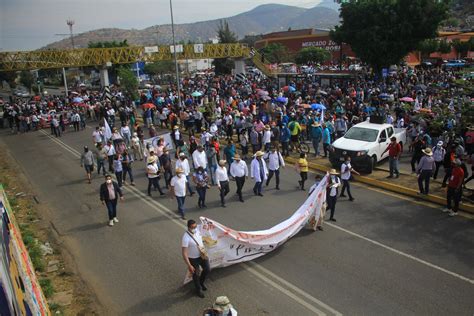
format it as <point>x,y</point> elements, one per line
<point>67,293</point>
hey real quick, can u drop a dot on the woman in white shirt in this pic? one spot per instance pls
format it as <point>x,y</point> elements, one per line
<point>222,181</point>
<point>125,132</point>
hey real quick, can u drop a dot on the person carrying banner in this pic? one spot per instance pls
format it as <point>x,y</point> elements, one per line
<point>275,161</point>
<point>239,171</point>
<point>259,172</point>
<point>331,192</point>
<point>110,192</point>
<point>222,181</point>
<point>195,256</point>
<point>178,189</point>
<point>317,223</point>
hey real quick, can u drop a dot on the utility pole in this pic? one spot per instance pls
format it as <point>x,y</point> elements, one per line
<point>70,23</point>
<point>175,58</point>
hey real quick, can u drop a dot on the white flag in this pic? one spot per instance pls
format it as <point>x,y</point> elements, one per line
<point>108,131</point>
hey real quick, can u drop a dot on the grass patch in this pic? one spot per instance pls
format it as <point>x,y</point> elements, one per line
<point>33,248</point>
<point>47,287</point>
<point>56,309</point>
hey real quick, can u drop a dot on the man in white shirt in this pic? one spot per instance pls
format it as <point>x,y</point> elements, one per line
<point>178,189</point>
<point>183,163</point>
<point>153,174</point>
<point>259,172</point>
<point>222,181</point>
<point>266,139</point>
<point>191,246</point>
<point>97,136</point>
<point>110,150</point>
<point>275,160</point>
<point>239,171</point>
<point>346,169</point>
<point>200,158</point>
<point>331,192</point>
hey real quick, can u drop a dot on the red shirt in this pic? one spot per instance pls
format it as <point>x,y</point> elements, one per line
<point>394,149</point>
<point>457,177</point>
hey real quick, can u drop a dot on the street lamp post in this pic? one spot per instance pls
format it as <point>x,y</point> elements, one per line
<point>175,58</point>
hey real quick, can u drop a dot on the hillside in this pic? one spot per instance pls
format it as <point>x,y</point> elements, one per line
<point>262,19</point>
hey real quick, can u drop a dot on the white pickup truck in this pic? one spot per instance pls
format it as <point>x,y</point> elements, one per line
<point>364,143</point>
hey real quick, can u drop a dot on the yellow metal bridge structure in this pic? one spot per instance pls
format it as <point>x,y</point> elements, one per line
<point>44,59</point>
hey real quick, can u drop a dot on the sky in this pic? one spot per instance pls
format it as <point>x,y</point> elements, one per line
<point>31,24</point>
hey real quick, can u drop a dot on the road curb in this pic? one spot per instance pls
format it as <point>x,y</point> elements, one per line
<point>390,187</point>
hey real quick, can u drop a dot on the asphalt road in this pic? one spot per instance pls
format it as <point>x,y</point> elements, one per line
<point>385,255</point>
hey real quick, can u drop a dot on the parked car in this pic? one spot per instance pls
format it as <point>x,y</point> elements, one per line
<point>455,63</point>
<point>365,143</point>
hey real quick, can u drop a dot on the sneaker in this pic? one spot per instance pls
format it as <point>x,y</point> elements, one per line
<point>446,210</point>
<point>451,213</point>
<point>116,220</point>
<point>111,223</point>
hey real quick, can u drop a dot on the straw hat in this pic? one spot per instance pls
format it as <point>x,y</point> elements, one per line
<point>151,159</point>
<point>237,157</point>
<point>182,154</point>
<point>316,124</point>
<point>179,170</point>
<point>333,172</point>
<point>427,151</point>
<point>259,153</point>
<point>222,162</point>
<point>222,304</point>
<point>176,127</point>
<point>267,127</point>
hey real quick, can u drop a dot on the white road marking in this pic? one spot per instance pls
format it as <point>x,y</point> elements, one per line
<point>250,266</point>
<point>401,253</point>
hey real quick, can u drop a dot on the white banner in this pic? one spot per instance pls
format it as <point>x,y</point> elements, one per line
<point>226,246</point>
<point>154,141</point>
<point>179,49</point>
<point>198,48</point>
<point>151,49</point>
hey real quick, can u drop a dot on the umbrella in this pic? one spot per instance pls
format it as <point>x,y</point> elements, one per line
<point>318,106</point>
<point>148,106</point>
<point>282,99</point>
<point>407,99</point>
<point>196,94</point>
<point>77,100</point>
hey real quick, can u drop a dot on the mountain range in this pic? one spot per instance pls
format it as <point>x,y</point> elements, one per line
<point>261,20</point>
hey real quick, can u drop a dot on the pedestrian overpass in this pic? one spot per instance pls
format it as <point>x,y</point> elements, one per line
<point>103,57</point>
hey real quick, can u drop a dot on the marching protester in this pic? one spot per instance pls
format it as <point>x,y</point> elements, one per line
<point>331,192</point>
<point>346,174</point>
<point>153,173</point>
<point>318,225</point>
<point>178,189</point>
<point>136,146</point>
<point>394,152</point>
<point>438,155</point>
<point>302,168</point>
<point>195,256</point>
<point>127,167</point>
<point>118,169</point>
<point>222,181</point>
<point>239,171</point>
<point>110,151</point>
<point>275,161</point>
<point>454,193</point>
<point>101,156</point>
<point>201,179</point>
<point>110,192</point>
<point>183,163</point>
<point>87,161</point>
<point>258,172</point>
<point>221,307</point>
<point>424,170</point>
<point>165,163</point>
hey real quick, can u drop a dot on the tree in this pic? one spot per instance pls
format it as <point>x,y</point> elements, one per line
<point>383,32</point>
<point>312,55</point>
<point>9,77</point>
<point>107,44</point>
<point>128,81</point>
<point>444,47</point>
<point>461,47</point>
<point>225,35</point>
<point>275,53</point>
<point>428,46</point>
<point>159,67</point>
<point>26,79</point>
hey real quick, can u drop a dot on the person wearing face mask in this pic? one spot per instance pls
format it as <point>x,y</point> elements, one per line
<point>193,252</point>
<point>110,192</point>
<point>178,189</point>
<point>183,163</point>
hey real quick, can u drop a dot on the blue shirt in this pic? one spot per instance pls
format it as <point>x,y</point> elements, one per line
<point>326,136</point>
<point>285,134</point>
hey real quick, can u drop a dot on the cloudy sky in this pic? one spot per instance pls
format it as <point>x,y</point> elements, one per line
<point>31,24</point>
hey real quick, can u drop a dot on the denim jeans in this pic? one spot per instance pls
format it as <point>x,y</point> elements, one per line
<point>424,176</point>
<point>100,165</point>
<point>199,279</point>
<point>155,182</point>
<point>277,177</point>
<point>223,190</point>
<point>393,166</point>
<point>257,189</point>
<point>188,183</point>
<point>346,185</point>
<point>119,176</point>
<point>180,200</point>
<point>111,208</point>
<point>202,195</point>
<point>129,171</point>
<point>315,142</point>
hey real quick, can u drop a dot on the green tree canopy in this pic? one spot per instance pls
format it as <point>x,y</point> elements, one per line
<point>461,47</point>
<point>444,47</point>
<point>428,46</point>
<point>275,53</point>
<point>26,78</point>
<point>9,77</point>
<point>160,67</point>
<point>225,35</point>
<point>383,32</point>
<point>128,81</point>
<point>312,55</point>
<point>109,44</point>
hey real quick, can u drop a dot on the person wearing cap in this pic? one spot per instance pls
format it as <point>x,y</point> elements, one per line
<point>110,192</point>
<point>183,163</point>
<point>394,152</point>
<point>178,189</point>
<point>258,172</point>
<point>87,161</point>
<point>316,135</point>
<point>331,192</point>
<point>275,161</point>
<point>191,246</point>
<point>222,181</point>
<point>153,173</point>
<point>239,171</point>
<point>425,169</point>
<point>221,307</point>
<point>137,148</point>
<point>454,193</point>
<point>438,155</point>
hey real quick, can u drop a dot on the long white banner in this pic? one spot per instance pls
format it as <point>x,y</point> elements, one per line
<point>226,246</point>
